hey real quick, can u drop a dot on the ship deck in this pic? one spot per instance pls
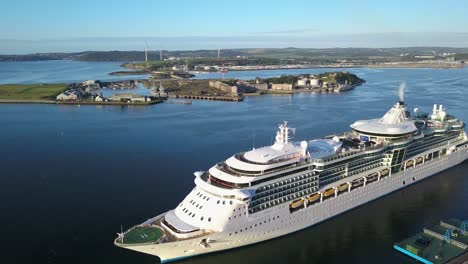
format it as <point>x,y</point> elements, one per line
<point>142,234</point>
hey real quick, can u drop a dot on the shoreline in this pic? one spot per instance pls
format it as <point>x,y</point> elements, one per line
<point>378,66</point>
<point>15,101</point>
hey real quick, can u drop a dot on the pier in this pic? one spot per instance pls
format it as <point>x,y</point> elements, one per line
<point>210,97</point>
<point>446,242</point>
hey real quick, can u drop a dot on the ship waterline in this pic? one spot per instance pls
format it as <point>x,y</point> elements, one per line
<point>280,189</point>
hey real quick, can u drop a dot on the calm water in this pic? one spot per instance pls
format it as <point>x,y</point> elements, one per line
<point>71,176</point>
<point>60,71</point>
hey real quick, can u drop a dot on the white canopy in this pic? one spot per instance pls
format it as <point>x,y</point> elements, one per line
<point>395,122</point>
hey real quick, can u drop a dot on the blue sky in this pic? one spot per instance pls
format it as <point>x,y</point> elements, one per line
<point>52,25</point>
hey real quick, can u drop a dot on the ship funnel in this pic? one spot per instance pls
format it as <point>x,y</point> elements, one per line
<point>401,92</point>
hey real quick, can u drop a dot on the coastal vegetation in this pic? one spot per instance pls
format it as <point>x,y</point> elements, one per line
<point>125,73</point>
<point>189,87</point>
<point>31,91</point>
<point>339,77</point>
<point>191,63</point>
<point>257,56</point>
<point>328,77</point>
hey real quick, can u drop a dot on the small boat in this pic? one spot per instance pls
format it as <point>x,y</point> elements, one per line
<point>372,177</point>
<point>357,183</point>
<point>343,187</point>
<point>329,192</point>
<point>297,203</point>
<point>313,198</point>
<point>419,160</point>
<point>384,173</point>
<point>409,163</point>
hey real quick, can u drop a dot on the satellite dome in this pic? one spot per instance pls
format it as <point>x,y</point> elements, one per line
<point>304,144</point>
<point>198,173</point>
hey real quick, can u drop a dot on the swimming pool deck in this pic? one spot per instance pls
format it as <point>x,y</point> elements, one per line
<point>447,241</point>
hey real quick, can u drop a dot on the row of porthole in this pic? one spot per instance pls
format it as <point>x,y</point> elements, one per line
<point>198,206</point>
<point>293,221</point>
<point>252,226</point>
<point>224,202</point>
<point>235,216</point>
<point>204,197</point>
<point>185,210</point>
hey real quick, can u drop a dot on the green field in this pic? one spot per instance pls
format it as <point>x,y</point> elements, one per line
<point>31,91</point>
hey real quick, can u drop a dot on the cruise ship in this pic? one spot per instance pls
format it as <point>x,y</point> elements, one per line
<point>276,190</point>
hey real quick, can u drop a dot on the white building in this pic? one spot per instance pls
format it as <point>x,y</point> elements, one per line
<point>68,96</point>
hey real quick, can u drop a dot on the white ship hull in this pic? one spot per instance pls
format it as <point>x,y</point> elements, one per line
<point>285,222</point>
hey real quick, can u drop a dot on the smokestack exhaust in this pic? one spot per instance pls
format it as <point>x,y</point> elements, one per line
<point>401,93</point>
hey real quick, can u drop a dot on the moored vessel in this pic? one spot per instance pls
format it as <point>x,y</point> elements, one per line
<point>275,190</point>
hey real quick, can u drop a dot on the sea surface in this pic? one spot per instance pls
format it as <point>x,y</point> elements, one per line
<point>60,71</point>
<point>72,176</point>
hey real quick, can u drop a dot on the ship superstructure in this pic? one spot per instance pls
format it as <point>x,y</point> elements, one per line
<point>279,189</point>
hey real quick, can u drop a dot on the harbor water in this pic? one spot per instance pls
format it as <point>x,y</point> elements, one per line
<point>72,177</point>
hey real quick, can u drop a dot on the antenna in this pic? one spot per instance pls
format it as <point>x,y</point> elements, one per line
<point>121,233</point>
<point>253,139</point>
<point>160,55</point>
<point>219,53</point>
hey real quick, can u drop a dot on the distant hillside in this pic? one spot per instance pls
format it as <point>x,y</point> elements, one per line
<point>311,55</point>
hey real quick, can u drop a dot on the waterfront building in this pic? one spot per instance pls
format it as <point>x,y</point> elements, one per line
<point>282,86</point>
<point>69,95</point>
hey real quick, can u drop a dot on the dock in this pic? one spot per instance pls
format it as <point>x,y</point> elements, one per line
<point>445,243</point>
<point>209,97</point>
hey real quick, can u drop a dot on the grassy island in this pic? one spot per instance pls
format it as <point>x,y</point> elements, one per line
<point>25,92</point>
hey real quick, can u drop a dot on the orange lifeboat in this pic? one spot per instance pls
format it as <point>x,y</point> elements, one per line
<point>343,187</point>
<point>313,198</point>
<point>297,203</point>
<point>384,173</point>
<point>329,192</point>
<point>409,163</point>
<point>419,160</point>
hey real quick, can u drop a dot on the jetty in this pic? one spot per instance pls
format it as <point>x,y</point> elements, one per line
<point>210,97</point>
<point>445,243</point>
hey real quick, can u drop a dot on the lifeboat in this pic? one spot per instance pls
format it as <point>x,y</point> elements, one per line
<point>372,177</point>
<point>419,160</point>
<point>297,203</point>
<point>384,173</point>
<point>343,187</point>
<point>409,163</point>
<point>357,183</point>
<point>313,198</point>
<point>329,192</point>
<point>428,157</point>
